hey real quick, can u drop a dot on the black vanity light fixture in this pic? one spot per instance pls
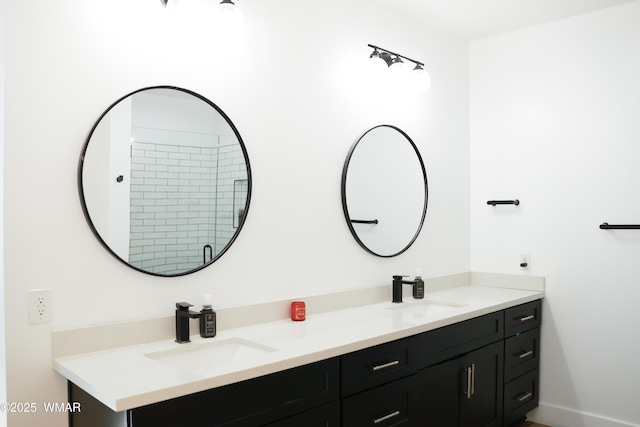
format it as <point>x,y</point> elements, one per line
<point>224,4</point>
<point>396,65</point>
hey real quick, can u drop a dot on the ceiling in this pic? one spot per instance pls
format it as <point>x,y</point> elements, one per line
<point>474,19</point>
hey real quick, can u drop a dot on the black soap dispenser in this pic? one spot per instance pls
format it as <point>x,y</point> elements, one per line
<point>418,285</point>
<point>207,321</point>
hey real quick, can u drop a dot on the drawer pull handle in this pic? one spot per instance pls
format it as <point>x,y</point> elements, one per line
<point>526,354</point>
<point>527,318</point>
<point>386,417</point>
<point>386,365</point>
<point>524,397</point>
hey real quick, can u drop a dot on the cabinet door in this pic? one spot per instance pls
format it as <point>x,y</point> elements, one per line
<point>439,391</point>
<point>481,401</point>
<point>466,391</point>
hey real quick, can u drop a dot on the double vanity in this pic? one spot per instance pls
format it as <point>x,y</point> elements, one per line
<point>465,355</point>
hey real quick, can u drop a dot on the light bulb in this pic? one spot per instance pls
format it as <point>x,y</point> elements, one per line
<point>230,17</point>
<point>397,66</point>
<point>421,78</point>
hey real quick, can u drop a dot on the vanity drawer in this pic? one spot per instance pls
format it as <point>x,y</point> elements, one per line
<point>450,341</point>
<point>520,397</point>
<point>521,354</point>
<point>392,404</point>
<point>377,365</point>
<point>324,416</point>
<point>522,318</point>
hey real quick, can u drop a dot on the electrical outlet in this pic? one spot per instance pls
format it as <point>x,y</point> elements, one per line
<point>40,305</point>
<point>525,261</point>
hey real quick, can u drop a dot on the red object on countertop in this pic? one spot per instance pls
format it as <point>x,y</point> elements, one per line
<point>298,310</point>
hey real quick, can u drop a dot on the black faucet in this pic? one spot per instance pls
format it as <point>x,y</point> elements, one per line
<point>183,314</point>
<point>418,287</point>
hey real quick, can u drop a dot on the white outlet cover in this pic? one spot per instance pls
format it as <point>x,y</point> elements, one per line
<point>40,306</point>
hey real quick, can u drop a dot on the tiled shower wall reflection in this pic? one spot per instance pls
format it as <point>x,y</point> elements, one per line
<point>182,199</point>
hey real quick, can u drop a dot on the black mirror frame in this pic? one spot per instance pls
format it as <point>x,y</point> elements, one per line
<point>81,188</point>
<point>344,191</point>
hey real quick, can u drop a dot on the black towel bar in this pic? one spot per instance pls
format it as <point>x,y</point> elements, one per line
<point>362,221</point>
<point>503,202</point>
<point>606,226</point>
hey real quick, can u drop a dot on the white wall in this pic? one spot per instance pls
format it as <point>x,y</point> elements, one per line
<point>555,123</point>
<point>294,87</point>
<point>3,364</point>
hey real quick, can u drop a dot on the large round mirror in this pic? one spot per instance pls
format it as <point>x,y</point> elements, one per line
<point>384,191</point>
<point>165,181</point>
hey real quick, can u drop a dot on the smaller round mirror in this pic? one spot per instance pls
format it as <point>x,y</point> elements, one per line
<point>164,181</point>
<point>384,191</point>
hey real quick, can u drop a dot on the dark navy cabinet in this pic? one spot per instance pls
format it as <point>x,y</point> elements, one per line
<point>465,391</point>
<point>522,360</point>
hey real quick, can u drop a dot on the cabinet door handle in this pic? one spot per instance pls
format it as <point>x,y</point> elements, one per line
<point>386,417</point>
<point>473,379</point>
<point>527,318</point>
<point>469,381</point>
<point>386,365</point>
<point>525,354</point>
<point>524,397</point>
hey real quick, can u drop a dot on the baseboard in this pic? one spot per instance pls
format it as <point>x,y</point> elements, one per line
<point>557,416</point>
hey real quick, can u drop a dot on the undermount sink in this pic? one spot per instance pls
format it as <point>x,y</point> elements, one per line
<point>424,308</point>
<point>203,356</point>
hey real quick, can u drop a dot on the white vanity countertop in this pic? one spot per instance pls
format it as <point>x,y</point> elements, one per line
<point>125,378</point>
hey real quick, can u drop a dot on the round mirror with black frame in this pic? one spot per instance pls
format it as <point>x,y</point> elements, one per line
<point>384,191</point>
<point>165,181</point>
